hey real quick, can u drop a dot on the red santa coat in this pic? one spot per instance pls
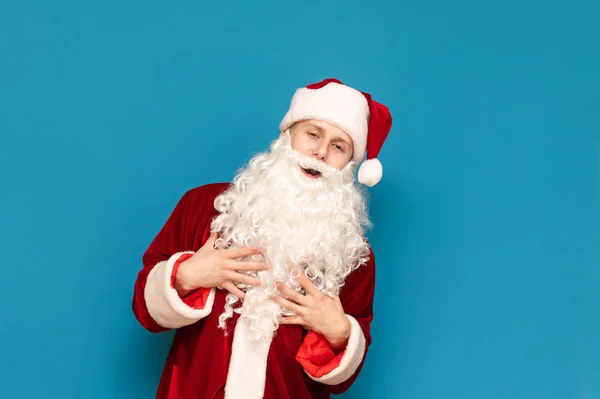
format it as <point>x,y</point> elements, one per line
<point>203,362</point>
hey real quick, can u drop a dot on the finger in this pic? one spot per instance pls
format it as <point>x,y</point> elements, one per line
<point>247,266</point>
<point>241,252</point>
<point>210,243</point>
<point>308,285</point>
<point>229,286</point>
<point>292,320</point>
<point>299,310</point>
<point>291,294</point>
<point>243,278</point>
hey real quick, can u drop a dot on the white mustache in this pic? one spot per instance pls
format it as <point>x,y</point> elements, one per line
<point>307,162</point>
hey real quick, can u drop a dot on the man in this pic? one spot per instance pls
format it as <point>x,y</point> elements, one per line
<point>269,281</point>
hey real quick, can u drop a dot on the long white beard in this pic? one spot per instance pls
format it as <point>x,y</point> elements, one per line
<point>314,226</point>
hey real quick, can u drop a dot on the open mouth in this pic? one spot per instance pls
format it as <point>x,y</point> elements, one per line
<point>313,174</point>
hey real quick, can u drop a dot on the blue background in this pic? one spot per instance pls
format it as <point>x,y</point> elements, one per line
<point>487,219</point>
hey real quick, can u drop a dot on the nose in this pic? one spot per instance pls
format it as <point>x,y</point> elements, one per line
<point>320,151</point>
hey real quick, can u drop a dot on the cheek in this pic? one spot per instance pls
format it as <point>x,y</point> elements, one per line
<point>344,160</point>
<point>338,162</point>
<point>298,144</point>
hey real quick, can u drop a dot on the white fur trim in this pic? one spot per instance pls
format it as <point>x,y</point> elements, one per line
<point>353,356</point>
<point>340,105</point>
<point>163,302</point>
<point>248,364</point>
<point>370,172</point>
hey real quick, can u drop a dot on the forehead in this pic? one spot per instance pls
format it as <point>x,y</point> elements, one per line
<point>334,131</point>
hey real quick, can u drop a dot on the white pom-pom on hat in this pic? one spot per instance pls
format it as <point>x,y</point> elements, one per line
<point>370,172</point>
<point>366,121</point>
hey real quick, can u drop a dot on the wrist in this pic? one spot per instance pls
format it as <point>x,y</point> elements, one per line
<point>338,339</point>
<point>181,284</point>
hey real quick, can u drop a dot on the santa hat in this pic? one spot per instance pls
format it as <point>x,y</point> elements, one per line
<point>366,121</point>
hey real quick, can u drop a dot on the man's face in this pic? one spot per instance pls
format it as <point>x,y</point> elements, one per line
<point>322,141</point>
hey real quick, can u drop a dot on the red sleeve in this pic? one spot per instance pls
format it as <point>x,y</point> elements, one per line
<point>156,304</point>
<point>340,370</point>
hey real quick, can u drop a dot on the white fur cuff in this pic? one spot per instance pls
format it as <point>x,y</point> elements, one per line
<point>353,356</point>
<point>163,302</point>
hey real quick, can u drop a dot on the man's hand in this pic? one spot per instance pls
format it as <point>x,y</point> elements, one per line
<point>316,311</point>
<point>210,268</point>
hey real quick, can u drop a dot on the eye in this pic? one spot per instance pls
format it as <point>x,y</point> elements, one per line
<point>314,135</point>
<point>339,147</point>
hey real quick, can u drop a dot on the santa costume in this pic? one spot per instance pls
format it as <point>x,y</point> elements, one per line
<point>227,348</point>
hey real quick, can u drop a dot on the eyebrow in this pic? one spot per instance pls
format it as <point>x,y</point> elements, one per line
<point>336,137</point>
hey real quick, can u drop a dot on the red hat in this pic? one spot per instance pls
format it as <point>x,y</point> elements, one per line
<point>366,121</point>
